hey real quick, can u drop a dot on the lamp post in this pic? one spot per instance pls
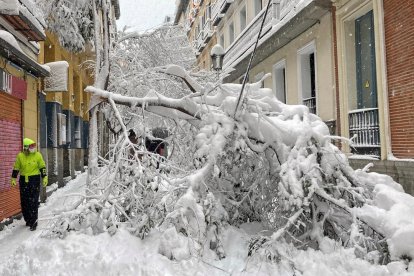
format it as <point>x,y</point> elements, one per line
<point>217,56</point>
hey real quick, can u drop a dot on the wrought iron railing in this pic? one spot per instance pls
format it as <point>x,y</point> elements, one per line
<point>364,126</point>
<point>311,104</point>
<point>208,30</point>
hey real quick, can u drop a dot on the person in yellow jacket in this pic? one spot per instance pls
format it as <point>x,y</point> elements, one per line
<point>31,166</point>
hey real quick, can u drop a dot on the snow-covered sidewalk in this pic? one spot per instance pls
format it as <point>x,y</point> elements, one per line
<point>30,253</point>
<point>16,234</point>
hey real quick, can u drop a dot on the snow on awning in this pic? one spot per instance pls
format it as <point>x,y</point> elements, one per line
<point>58,79</point>
<point>10,50</point>
<point>24,17</point>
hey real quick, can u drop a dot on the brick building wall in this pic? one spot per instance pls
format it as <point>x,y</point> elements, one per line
<point>399,40</point>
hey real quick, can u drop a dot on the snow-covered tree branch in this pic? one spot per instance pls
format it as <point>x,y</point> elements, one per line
<point>273,163</point>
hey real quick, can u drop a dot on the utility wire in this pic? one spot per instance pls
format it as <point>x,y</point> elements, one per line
<point>241,96</point>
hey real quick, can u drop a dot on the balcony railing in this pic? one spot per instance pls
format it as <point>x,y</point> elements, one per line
<point>199,43</point>
<point>208,31</point>
<point>244,42</point>
<point>219,8</point>
<point>247,38</point>
<point>364,124</point>
<point>311,104</point>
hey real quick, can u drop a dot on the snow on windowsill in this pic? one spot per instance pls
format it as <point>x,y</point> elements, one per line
<point>363,157</point>
<point>391,157</point>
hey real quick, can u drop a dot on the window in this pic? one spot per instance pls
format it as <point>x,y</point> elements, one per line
<point>222,40</point>
<point>257,6</point>
<point>243,19</point>
<point>361,74</point>
<point>279,73</point>
<point>231,33</point>
<point>307,74</point>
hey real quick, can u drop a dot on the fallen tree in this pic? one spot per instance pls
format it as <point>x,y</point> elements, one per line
<point>261,161</point>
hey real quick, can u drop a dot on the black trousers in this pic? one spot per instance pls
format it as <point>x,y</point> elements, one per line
<point>29,198</point>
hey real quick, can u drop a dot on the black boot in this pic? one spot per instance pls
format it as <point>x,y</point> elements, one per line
<point>27,223</point>
<point>33,226</point>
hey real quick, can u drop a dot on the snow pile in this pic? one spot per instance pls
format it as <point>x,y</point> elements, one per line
<point>58,79</point>
<point>124,254</point>
<point>168,252</point>
<point>392,213</point>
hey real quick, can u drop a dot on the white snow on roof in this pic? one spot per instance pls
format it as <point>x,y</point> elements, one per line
<point>10,7</point>
<point>9,38</point>
<point>32,19</point>
<point>34,10</point>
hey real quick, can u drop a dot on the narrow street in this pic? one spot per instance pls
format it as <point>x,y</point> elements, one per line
<point>17,233</point>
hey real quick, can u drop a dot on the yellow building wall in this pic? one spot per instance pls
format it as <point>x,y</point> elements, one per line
<point>30,110</point>
<point>78,78</point>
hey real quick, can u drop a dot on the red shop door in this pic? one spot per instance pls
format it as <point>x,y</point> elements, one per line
<point>10,145</point>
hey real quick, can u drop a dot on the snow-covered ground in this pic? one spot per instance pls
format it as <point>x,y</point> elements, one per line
<point>23,252</point>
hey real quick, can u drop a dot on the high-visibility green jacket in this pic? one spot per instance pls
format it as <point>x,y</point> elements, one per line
<point>29,165</point>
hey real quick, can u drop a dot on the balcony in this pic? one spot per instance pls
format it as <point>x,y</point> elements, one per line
<point>245,41</point>
<point>208,31</point>
<point>199,43</point>
<point>219,9</point>
<point>285,21</point>
<point>364,125</point>
<point>22,18</point>
<point>311,104</point>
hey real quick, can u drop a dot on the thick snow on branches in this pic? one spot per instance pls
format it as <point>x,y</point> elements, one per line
<point>72,22</point>
<point>267,163</point>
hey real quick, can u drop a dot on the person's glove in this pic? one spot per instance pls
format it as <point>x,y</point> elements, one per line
<point>13,182</point>
<point>44,181</point>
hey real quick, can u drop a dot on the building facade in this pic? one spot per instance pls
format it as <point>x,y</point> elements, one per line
<point>375,85</point>
<point>64,135</point>
<point>196,16</point>
<point>20,82</point>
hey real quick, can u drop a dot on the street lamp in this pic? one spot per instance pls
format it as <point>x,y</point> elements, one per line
<point>217,56</point>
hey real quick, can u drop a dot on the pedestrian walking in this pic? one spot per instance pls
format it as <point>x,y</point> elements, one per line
<point>32,169</point>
